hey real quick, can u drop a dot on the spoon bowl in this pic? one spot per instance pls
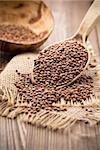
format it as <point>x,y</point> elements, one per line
<point>24,25</point>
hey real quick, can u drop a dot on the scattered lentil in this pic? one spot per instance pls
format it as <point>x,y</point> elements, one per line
<point>42,97</point>
<point>86,122</point>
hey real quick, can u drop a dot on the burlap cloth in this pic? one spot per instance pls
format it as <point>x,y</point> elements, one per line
<point>24,63</point>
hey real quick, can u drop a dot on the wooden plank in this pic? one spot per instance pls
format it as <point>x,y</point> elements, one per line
<point>3,134</point>
<point>11,134</point>
<point>81,136</point>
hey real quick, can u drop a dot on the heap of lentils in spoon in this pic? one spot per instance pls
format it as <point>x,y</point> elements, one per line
<point>53,68</point>
<point>60,64</point>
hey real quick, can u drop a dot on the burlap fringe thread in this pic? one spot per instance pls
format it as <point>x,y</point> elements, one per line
<point>53,119</point>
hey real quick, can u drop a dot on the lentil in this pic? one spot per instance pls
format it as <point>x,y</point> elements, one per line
<point>42,97</point>
<point>19,34</point>
<point>60,64</point>
<point>54,68</point>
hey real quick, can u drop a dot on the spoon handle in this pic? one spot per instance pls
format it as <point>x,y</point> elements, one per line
<point>89,20</point>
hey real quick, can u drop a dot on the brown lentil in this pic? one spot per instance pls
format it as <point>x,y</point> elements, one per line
<point>19,34</point>
<point>42,97</point>
<point>60,64</point>
<point>53,69</point>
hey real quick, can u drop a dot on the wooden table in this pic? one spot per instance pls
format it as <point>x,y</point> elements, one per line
<point>15,135</point>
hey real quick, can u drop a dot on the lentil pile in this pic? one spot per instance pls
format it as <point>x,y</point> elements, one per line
<point>42,97</point>
<point>19,34</point>
<point>53,69</point>
<point>60,64</point>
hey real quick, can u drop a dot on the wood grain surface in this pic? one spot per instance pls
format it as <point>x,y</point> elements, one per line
<point>15,135</point>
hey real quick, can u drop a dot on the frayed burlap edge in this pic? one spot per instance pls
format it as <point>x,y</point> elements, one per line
<point>89,111</point>
<point>53,119</point>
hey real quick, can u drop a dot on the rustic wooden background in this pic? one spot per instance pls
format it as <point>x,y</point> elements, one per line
<point>15,135</point>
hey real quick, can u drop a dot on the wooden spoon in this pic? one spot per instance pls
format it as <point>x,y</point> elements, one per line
<point>24,25</point>
<point>77,41</point>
